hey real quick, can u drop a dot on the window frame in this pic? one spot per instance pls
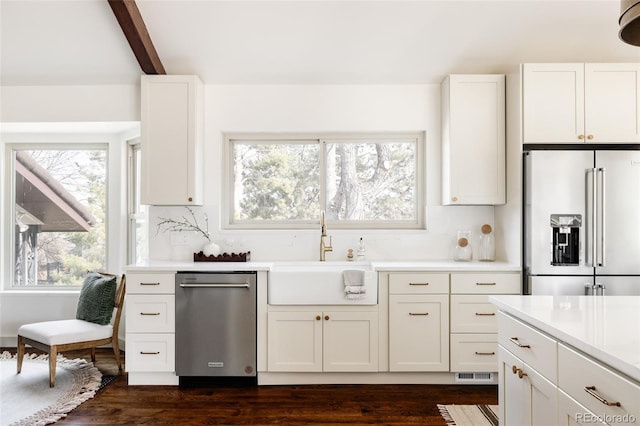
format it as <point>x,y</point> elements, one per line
<point>9,255</point>
<point>227,202</point>
<point>136,213</point>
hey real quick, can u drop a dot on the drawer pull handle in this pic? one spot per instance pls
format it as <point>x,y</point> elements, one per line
<point>149,313</point>
<point>149,353</point>
<point>149,283</point>
<point>418,283</point>
<point>481,314</point>
<point>517,343</point>
<point>485,353</point>
<point>485,283</point>
<point>591,390</point>
<point>418,313</point>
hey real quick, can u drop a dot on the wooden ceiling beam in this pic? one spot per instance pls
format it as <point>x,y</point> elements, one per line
<point>134,29</point>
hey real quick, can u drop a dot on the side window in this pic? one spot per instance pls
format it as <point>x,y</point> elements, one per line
<point>360,181</point>
<point>60,214</point>
<point>137,213</point>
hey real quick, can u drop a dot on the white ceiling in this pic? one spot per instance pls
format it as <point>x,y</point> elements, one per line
<point>53,42</point>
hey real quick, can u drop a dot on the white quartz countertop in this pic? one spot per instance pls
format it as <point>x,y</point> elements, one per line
<point>433,265</point>
<point>604,327</point>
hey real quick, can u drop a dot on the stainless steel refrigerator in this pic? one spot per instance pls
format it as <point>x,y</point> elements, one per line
<point>582,221</point>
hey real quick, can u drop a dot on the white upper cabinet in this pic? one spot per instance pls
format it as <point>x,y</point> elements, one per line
<point>576,103</point>
<point>172,140</point>
<point>473,139</point>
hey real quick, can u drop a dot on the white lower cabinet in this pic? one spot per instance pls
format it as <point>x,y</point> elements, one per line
<point>571,413</point>
<point>606,395</point>
<point>418,321</point>
<point>474,326</point>
<point>419,332</point>
<point>544,381</point>
<point>317,340</point>
<point>150,332</point>
<point>525,397</point>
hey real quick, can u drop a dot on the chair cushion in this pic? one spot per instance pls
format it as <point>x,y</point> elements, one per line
<point>65,331</point>
<point>97,297</point>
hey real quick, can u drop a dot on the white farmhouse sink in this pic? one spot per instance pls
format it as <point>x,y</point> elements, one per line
<point>318,283</point>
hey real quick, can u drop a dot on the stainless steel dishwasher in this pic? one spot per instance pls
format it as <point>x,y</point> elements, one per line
<point>216,324</point>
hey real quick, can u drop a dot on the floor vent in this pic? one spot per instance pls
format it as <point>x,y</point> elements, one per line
<point>474,377</point>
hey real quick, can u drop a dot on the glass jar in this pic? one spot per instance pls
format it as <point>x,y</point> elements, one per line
<point>487,246</point>
<point>463,252</point>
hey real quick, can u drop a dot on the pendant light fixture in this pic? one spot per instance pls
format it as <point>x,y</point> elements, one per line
<point>630,22</point>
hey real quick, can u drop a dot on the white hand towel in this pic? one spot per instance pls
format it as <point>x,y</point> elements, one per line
<point>353,277</point>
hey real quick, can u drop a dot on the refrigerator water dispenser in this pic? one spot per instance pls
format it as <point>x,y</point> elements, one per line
<point>565,232</point>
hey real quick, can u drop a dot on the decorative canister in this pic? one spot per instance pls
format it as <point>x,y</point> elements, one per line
<point>463,251</point>
<point>487,246</point>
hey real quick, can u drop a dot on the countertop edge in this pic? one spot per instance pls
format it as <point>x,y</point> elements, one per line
<point>631,371</point>
<point>378,266</point>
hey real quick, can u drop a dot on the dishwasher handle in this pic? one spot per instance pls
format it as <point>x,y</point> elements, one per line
<point>215,285</point>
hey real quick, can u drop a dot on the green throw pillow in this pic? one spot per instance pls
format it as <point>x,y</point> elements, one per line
<point>97,298</point>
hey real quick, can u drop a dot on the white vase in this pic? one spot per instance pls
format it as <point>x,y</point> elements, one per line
<point>211,249</point>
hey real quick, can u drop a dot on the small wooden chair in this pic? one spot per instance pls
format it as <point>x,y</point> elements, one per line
<point>66,335</point>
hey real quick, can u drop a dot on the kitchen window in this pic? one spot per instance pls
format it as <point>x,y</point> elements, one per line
<point>137,250</point>
<point>59,200</point>
<point>359,180</point>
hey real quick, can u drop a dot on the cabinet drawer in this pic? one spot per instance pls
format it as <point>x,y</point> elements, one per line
<point>474,352</point>
<point>418,283</point>
<point>496,283</point>
<point>150,352</point>
<point>164,283</point>
<point>577,374</point>
<point>473,314</point>
<point>530,345</point>
<point>151,313</point>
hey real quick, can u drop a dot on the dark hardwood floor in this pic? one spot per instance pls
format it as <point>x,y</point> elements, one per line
<point>120,404</point>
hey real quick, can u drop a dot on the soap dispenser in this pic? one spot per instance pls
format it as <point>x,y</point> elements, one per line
<point>360,253</point>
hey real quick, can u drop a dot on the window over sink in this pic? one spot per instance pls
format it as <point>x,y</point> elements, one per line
<point>361,180</point>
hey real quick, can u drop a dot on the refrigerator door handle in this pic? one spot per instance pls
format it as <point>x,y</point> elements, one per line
<point>590,217</point>
<point>600,225</point>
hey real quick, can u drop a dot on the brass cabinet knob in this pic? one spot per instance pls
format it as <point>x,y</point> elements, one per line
<point>581,137</point>
<point>190,199</point>
<point>590,137</point>
<point>454,199</point>
<point>514,369</point>
<point>326,317</point>
<point>318,317</point>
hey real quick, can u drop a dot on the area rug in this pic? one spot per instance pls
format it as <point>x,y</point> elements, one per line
<point>469,415</point>
<point>27,399</point>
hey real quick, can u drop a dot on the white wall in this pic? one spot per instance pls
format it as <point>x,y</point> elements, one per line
<point>256,109</point>
<point>349,108</point>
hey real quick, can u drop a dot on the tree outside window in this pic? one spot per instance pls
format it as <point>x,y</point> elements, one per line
<point>60,215</point>
<point>360,181</point>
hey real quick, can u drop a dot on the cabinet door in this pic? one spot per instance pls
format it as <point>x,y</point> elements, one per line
<point>473,149</point>
<point>571,413</point>
<point>171,140</point>
<point>350,341</point>
<point>512,407</point>
<point>553,103</point>
<point>418,332</point>
<point>524,396</point>
<point>294,341</point>
<point>612,103</point>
